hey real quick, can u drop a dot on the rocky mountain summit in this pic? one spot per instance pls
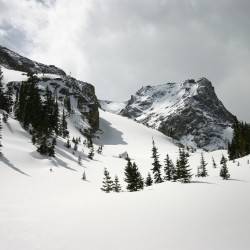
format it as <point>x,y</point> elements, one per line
<point>76,96</point>
<point>11,60</point>
<point>189,112</point>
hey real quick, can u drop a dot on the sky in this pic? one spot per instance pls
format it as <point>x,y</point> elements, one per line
<point>121,45</point>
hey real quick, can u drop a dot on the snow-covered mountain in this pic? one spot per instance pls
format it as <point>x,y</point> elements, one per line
<point>190,112</point>
<point>112,107</point>
<point>78,96</point>
<point>46,204</point>
<point>11,60</point>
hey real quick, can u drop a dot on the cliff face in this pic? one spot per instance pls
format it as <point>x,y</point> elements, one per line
<point>190,112</point>
<point>11,60</point>
<point>79,96</point>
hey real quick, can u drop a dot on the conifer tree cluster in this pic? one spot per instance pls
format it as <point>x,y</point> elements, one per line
<point>179,172</point>
<point>240,145</point>
<point>1,132</point>
<point>6,98</point>
<point>39,114</point>
<point>109,185</point>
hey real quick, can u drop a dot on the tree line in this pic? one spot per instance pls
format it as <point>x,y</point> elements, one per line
<point>180,171</point>
<point>240,144</point>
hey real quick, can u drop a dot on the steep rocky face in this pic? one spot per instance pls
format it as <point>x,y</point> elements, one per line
<point>76,96</point>
<point>189,112</point>
<point>11,60</point>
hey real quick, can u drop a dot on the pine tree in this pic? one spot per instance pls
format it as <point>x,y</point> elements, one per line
<point>224,173</point>
<point>116,185</point>
<point>64,126</point>
<point>9,99</point>
<point>80,160</point>
<point>149,180</point>
<point>202,171</point>
<point>91,153</point>
<point>99,150</point>
<point>133,177</point>
<point>169,169</point>
<point>3,99</point>
<point>107,182</point>
<point>51,150</point>
<point>156,165</point>
<point>89,142</point>
<point>129,175</point>
<point>214,163</point>
<point>75,146</point>
<point>1,137</point>
<point>84,176</point>
<point>240,144</point>
<point>68,145</point>
<point>182,168</point>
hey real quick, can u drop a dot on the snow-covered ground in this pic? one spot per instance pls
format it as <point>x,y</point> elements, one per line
<point>44,210</point>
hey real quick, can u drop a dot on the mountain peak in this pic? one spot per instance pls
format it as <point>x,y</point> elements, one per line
<point>190,112</point>
<point>12,60</point>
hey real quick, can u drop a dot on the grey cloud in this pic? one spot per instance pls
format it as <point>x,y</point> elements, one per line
<point>121,45</point>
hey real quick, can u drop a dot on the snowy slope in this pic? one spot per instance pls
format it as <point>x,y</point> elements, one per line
<point>112,107</point>
<point>56,210</point>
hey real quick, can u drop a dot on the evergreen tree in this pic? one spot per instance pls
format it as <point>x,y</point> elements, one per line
<point>169,169</point>
<point>84,176</point>
<point>202,170</point>
<point>89,142</point>
<point>240,144</point>
<point>3,99</point>
<point>133,177</point>
<point>5,116</point>
<point>224,173</point>
<point>156,165</point>
<point>214,163</point>
<point>64,126</point>
<point>51,150</point>
<point>9,99</point>
<point>68,145</point>
<point>80,160</point>
<point>75,146</point>
<point>149,180</point>
<point>116,185</point>
<point>67,103</point>
<point>1,137</point>
<point>99,150</point>
<point>91,153</point>
<point>183,172</point>
<point>107,182</point>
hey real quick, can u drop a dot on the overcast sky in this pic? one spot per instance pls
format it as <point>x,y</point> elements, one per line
<point>120,45</point>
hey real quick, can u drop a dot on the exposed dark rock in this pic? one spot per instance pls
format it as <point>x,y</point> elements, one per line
<point>78,96</point>
<point>14,61</point>
<point>189,112</point>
